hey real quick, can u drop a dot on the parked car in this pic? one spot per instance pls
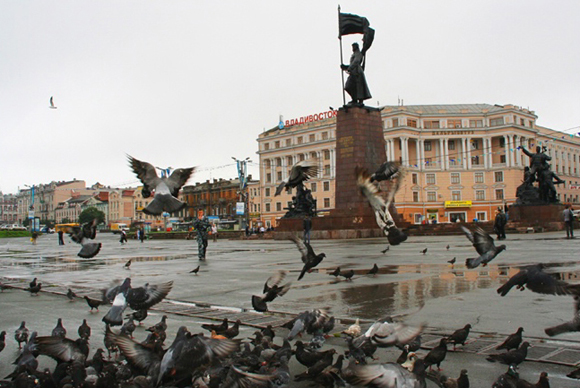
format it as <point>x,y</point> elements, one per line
<point>47,230</point>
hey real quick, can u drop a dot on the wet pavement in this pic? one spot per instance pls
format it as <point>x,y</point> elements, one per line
<point>425,287</point>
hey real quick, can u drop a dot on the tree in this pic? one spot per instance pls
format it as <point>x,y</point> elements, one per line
<point>89,214</point>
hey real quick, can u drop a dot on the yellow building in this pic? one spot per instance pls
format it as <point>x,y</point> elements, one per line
<point>463,161</point>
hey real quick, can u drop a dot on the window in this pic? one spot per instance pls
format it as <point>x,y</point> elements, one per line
<point>475,123</point>
<point>289,161</point>
<point>326,202</point>
<point>311,138</point>
<point>268,177</point>
<point>324,135</point>
<point>267,192</point>
<point>412,123</point>
<point>455,178</point>
<point>288,142</point>
<point>479,177</point>
<point>278,206</point>
<point>313,187</point>
<point>415,178</point>
<point>480,195</point>
<point>277,144</point>
<point>301,157</point>
<point>499,194</point>
<point>502,158</point>
<point>279,175</point>
<point>430,179</point>
<point>474,145</point>
<point>395,122</point>
<point>266,146</point>
<point>326,155</point>
<point>451,144</point>
<point>496,121</point>
<point>456,195</point>
<point>327,169</point>
<point>427,145</point>
<point>502,142</point>
<point>300,140</point>
<point>454,124</point>
<point>499,176</point>
<point>431,196</point>
<point>267,207</point>
<point>415,196</point>
<point>431,124</point>
<point>326,186</point>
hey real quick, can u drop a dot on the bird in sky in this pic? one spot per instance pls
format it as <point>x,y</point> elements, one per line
<point>484,246</point>
<point>538,281</point>
<point>52,103</point>
<point>386,171</point>
<point>300,172</point>
<point>165,189</point>
<point>82,234</point>
<point>273,288</point>
<point>309,258</point>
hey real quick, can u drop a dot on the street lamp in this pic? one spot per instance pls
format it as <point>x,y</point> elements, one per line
<point>242,170</point>
<point>31,208</point>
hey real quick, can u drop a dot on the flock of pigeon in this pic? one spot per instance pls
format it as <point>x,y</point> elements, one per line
<point>220,359</point>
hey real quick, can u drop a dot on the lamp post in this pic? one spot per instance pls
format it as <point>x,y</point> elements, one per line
<point>31,208</point>
<point>242,171</point>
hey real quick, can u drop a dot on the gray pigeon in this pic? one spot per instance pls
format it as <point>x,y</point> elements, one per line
<point>299,173</point>
<point>272,289</point>
<point>82,234</point>
<point>166,188</point>
<point>309,258</point>
<point>386,171</point>
<point>484,245</point>
<point>538,281</point>
<point>567,327</point>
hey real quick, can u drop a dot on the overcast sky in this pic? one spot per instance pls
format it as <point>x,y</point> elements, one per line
<point>193,83</point>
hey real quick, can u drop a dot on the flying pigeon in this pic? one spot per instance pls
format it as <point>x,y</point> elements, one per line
<point>538,281</point>
<point>380,207</point>
<point>386,171</point>
<point>272,289</point>
<point>166,188</point>
<point>139,298</point>
<point>299,173</point>
<point>388,375</point>
<point>386,333</point>
<point>52,104</point>
<point>309,258</point>
<point>573,325</point>
<point>82,234</point>
<point>484,246</point>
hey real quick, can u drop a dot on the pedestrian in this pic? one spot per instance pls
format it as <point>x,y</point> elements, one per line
<point>141,234</point>
<point>214,232</point>
<point>60,237</point>
<point>499,224</point>
<point>569,221</point>
<point>307,224</point>
<point>123,237</point>
<point>33,237</point>
<point>202,227</point>
<point>247,230</point>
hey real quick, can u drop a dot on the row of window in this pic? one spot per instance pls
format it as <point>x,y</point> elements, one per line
<point>479,177</point>
<point>313,187</point>
<point>457,123</point>
<point>325,172</point>
<point>299,140</point>
<point>268,206</point>
<point>456,195</point>
<point>277,162</point>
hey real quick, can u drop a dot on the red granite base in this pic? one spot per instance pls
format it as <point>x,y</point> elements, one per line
<point>547,217</point>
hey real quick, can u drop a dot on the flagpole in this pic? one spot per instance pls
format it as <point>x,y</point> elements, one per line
<point>341,61</point>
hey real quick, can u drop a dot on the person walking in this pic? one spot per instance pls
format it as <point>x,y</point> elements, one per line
<point>202,227</point>
<point>214,232</point>
<point>569,221</point>
<point>60,237</point>
<point>123,237</point>
<point>499,224</point>
<point>307,224</point>
<point>141,234</point>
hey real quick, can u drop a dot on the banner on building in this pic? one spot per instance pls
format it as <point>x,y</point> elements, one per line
<point>452,204</point>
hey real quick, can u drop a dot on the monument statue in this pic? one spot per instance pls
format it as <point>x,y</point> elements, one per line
<point>356,84</point>
<point>539,171</point>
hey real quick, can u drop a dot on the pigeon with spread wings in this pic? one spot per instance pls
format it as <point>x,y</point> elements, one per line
<point>166,188</point>
<point>299,173</point>
<point>483,244</point>
<point>309,258</point>
<point>82,234</point>
<point>380,206</point>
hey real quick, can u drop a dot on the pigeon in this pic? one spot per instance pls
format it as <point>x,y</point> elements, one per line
<point>311,321</point>
<point>437,354</point>
<point>575,374</point>
<point>424,251</point>
<point>21,334</point>
<point>373,271</point>
<point>336,272</point>
<point>272,290</point>
<point>316,369</point>
<point>32,284</point>
<point>509,379</point>
<point>4,286</point>
<point>386,249</point>
<point>513,341</point>
<point>538,281</point>
<point>353,330</point>
<point>309,258</point>
<point>404,355</point>
<point>386,333</point>
<point>217,328</point>
<point>84,330</point>
<point>448,249</point>
<point>515,356</point>
<point>34,290</point>
<point>459,336</point>
<point>166,188</point>
<point>138,315</point>
<point>347,275</point>
<point>232,331</point>
<point>128,327</point>
<point>82,234</point>
<point>71,295</point>
<point>63,349</point>
<point>543,382</point>
<point>159,326</point>
<point>380,207</point>
<point>140,298</point>
<point>300,172</point>
<point>59,330</point>
<point>52,103</point>
<point>567,327</point>
<point>484,246</point>
<point>389,375</point>
<point>93,303</point>
<point>452,261</point>
<point>461,382</point>
<point>386,171</point>
<point>128,264</point>
<point>195,271</point>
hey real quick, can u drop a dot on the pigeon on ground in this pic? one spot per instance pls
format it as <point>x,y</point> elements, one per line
<point>385,333</point>
<point>93,303</point>
<point>315,370</point>
<point>128,264</point>
<point>336,272</point>
<point>509,379</point>
<point>347,274</point>
<point>34,290</point>
<point>452,261</point>
<point>437,354</point>
<point>386,249</point>
<point>459,336</point>
<point>272,290</point>
<point>140,298</point>
<point>373,271</point>
<point>353,330</point>
<point>233,330</point>
<point>128,327</point>
<point>386,171</point>
<point>217,328</point>
<point>84,330</point>
<point>82,234</point>
<point>484,246</point>
<point>52,103</point>
<point>575,374</point>
<point>448,249</point>
<point>63,349</point>
<point>138,315</point>
<point>312,321</point>
<point>300,172</point>
<point>71,295</point>
<point>389,375</point>
<point>513,357</point>
<point>159,326</point>
<point>567,327</point>
<point>513,341</point>
<point>32,283</point>
<point>195,271</point>
<point>166,188</point>
<point>461,382</point>
<point>309,258</point>
<point>59,330</point>
<point>21,334</point>
<point>380,206</point>
<point>543,382</point>
<point>424,251</point>
<point>538,281</point>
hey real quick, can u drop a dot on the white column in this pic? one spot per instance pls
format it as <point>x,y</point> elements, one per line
<point>567,162</point>
<point>406,149</point>
<point>441,155</point>
<point>468,140</point>
<point>320,164</point>
<point>577,164</point>
<point>506,149</point>
<point>418,153</point>
<point>464,153</point>
<point>332,163</point>
<point>387,150</point>
<point>446,153</point>
<point>422,153</point>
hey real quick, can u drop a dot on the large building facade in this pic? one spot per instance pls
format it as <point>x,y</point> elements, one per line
<point>463,161</point>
